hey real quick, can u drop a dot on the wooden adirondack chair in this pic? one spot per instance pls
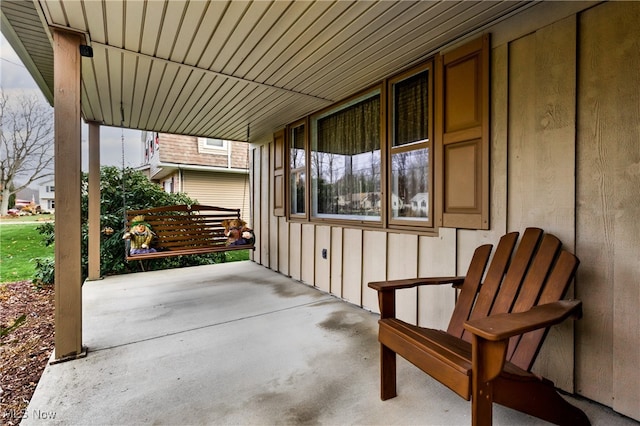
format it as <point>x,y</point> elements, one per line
<point>496,329</point>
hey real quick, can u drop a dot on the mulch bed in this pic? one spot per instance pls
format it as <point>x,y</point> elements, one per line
<point>25,351</point>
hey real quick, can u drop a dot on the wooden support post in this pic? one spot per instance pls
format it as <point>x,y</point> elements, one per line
<point>94,201</point>
<point>67,156</point>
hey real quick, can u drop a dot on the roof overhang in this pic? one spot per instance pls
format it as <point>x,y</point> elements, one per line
<point>236,69</point>
<point>163,170</point>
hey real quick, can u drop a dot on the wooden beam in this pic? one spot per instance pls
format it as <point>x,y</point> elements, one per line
<point>94,201</point>
<point>67,155</point>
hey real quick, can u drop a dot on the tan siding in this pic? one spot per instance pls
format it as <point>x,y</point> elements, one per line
<point>323,270</point>
<point>252,214</point>
<point>265,196</point>
<point>555,195</point>
<point>255,194</point>
<point>295,244</point>
<point>336,256</point>
<point>542,130</point>
<point>402,262</point>
<point>218,189</point>
<point>283,246</point>
<point>541,156</point>
<point>608,207</point>
<point>374,266</point>
<point>352,266</point>
<point>436,303</point>
<point>273,244</point>
<point>307,254</point>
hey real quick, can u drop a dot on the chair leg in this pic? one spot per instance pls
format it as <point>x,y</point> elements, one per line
<point>482,403</point>
<point>387,373</point>
<point>487,362</point>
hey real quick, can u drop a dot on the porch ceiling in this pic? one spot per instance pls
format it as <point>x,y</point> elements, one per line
<point>213,69</point>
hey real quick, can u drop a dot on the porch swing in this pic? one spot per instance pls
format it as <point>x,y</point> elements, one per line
<point>183,230</point>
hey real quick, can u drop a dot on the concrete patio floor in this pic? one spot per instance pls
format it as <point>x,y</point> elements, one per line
<point>237,343</point>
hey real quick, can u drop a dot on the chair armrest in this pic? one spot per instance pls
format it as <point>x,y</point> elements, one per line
<point>413,282</point>
<point>504,326</point>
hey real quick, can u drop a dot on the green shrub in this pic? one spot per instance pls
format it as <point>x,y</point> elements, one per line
<point>139,193</point>
<point>45,272</point>
<point>47,232</point>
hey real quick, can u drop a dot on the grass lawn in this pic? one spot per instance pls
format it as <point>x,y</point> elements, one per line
<point>233,256</point>
<point>19,244</point>
<point>22,219</point>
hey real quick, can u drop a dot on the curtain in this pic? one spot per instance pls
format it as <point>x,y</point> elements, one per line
<point>346,161</point>
<point>352,130</point>
<point>411,97</point>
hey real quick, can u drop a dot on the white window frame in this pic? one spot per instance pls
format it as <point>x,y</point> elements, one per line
<point>204,147</point>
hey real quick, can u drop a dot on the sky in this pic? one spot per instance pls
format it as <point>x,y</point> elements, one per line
<point>15,79</point>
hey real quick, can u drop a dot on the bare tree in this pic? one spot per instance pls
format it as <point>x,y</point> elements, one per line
<point>26,144</point>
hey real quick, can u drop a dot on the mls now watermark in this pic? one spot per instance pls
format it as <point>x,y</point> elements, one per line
<point>26,414</point>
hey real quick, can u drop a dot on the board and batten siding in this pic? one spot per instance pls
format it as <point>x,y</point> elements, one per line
<point>542,150</point>
<point>230,190</point>
<point>565,156</point>
<point>608,206</point>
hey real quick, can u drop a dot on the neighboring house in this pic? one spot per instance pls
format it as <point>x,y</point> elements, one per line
<point>366,201</point>
<point>47,196</point>
<point>420,203</point>
<point>212,171</point>
<point>396,203</point>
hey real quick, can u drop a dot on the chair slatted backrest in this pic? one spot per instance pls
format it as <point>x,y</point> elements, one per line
<point>187,226</point>
<point>539,271</point>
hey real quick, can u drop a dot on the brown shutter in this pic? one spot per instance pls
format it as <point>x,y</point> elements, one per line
<point>278,173</point>
<point>462,136</point>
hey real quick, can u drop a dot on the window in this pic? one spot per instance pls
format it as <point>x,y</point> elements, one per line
<point>412,154</point>
<point>215,143</point>
<point>297,169</point>
<point>169,185</point>
<point>212,146</point>
<point>345,160</point>
<point>411,144</point>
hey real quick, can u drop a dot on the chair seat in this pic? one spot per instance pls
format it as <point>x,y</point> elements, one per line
<point>444,357</point>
